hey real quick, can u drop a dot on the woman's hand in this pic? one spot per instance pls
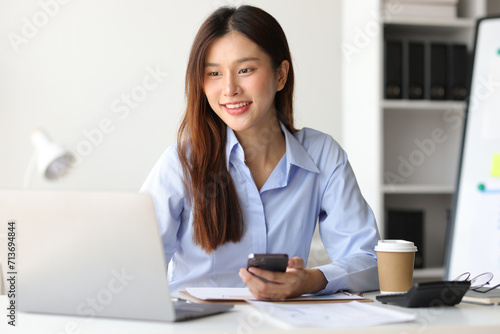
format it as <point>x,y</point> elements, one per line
<point>294,282</point>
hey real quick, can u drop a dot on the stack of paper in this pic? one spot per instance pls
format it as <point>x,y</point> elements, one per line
<point>488,298</point>
<point>337,315</point>
<point>232,295</point>
<point>334,311</point>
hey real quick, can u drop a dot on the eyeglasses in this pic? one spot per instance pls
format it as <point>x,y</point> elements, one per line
<point>478,283</point>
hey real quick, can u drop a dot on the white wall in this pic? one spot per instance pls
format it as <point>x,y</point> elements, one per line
<point>361,34</point>
<point>70,73</point>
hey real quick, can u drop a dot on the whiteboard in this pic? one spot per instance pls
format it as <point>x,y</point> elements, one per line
<point>474,237</point>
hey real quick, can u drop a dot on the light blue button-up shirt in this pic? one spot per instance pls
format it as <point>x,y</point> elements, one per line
<point>312,183</point>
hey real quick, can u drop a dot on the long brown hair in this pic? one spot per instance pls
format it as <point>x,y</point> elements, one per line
<point>217,215</point>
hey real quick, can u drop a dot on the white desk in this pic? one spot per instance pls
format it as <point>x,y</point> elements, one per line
<point>244,319</point>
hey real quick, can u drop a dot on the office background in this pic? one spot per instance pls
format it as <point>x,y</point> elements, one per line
<point>106,80</point>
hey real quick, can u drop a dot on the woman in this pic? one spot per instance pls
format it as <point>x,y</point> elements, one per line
<point>243,180</point>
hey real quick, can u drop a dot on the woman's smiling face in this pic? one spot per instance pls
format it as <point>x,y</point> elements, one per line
<point>240,82</point>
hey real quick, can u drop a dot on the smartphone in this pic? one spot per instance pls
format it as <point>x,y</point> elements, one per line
<point>271,262</point>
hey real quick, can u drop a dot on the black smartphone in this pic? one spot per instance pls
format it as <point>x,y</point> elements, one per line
<point>271,262</point>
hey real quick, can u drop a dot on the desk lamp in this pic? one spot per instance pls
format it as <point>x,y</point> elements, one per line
<point>52,159</point>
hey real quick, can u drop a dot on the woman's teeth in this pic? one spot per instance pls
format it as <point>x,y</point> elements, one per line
<point>238,105</point>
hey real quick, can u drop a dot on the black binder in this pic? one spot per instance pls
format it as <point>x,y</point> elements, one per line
<point>438,81</point>
<point>416,70</point>
<point>458,65</point>
<point>407,225</point>
<point>393,70</point>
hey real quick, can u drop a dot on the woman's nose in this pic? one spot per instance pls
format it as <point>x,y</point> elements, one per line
<point>231,85</point>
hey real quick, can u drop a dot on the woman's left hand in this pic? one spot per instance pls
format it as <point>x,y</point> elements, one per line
<point>294,282</point>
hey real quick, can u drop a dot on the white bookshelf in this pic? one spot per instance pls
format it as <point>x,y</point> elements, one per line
<point>378,134</point>
<point>458,23</point>
<point>403,105</point>
<point>444,189</point>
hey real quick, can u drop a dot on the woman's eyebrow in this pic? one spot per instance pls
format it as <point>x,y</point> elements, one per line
<point>242,60</point>
<point>239,61</point>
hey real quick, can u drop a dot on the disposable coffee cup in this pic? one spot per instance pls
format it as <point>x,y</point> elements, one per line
<point>395,260</point>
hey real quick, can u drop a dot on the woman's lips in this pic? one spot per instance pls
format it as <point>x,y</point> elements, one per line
<point>237,108</point>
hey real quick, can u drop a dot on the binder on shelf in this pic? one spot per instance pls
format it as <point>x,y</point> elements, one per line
<point>438,75</point>
<point>457,79</point>
<point>393,69</point>
<point>417,70</point>
<point>407,225</point>
<point>415,60</point>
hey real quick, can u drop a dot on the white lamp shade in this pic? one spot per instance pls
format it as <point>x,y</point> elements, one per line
<point>53,160</point>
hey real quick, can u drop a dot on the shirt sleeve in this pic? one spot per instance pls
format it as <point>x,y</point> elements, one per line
<point>349,232</point>
<point>165,185</point>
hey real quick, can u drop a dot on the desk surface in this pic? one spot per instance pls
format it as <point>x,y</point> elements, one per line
<point>463,318</point>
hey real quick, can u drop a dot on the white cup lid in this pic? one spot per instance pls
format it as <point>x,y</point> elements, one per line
<point>395,246</point>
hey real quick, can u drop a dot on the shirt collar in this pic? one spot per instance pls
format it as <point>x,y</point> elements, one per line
<point>296,154</point>
<point>232,145</point>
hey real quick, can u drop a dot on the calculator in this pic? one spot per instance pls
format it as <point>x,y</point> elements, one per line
<point>427,294</point>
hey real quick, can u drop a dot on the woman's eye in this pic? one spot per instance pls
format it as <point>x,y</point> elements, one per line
<point>213,74</point>
<point>245,70</point>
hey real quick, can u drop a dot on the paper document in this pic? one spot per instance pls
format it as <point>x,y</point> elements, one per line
<point>336,315</point>
<point>220,293</point>
<point>244,294</point>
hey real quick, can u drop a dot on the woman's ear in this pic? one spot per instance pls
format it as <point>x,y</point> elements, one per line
<point>282,74</point>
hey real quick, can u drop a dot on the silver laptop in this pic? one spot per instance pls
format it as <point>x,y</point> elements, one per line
<point>93,254</point>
